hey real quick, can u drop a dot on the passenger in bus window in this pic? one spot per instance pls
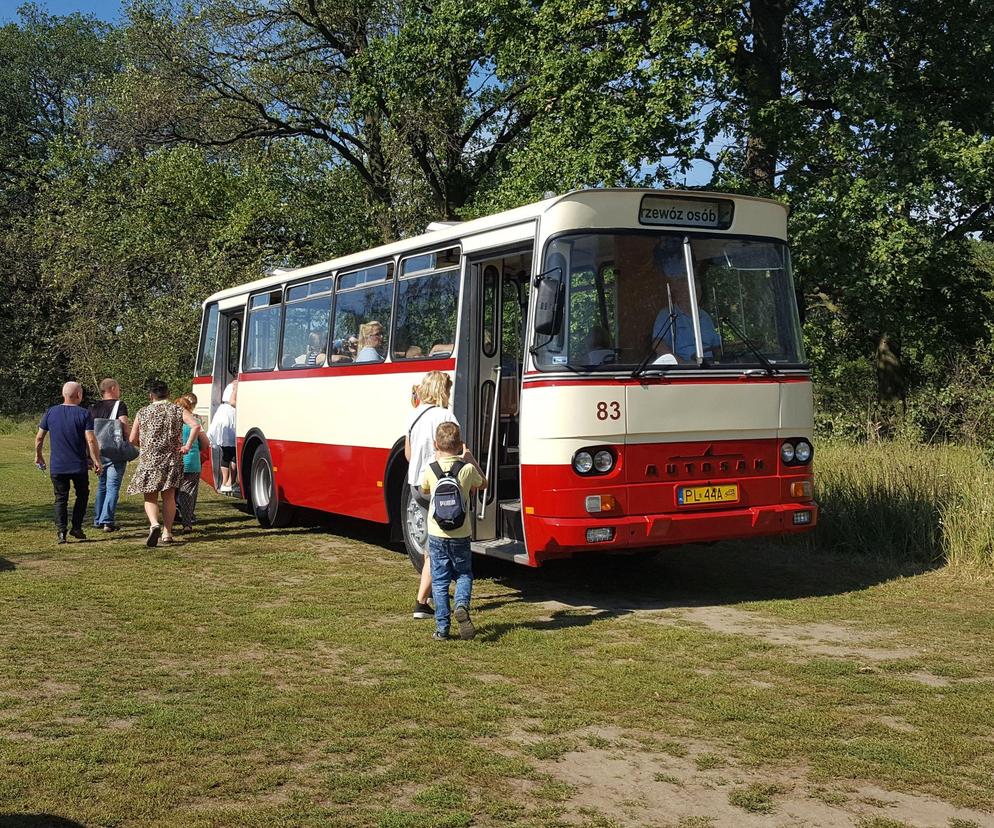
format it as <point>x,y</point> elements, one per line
<point>441,349</point>
<point>371,342</point>
<point>314,356</point>
<point>599,350</point>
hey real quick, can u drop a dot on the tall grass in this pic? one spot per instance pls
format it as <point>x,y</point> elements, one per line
<point>906,501</point>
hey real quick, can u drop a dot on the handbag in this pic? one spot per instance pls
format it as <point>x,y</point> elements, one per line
<point>109,432</point>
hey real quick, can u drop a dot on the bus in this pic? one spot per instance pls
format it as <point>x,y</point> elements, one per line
<point>628,370</point>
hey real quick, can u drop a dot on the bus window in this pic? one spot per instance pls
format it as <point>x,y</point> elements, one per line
<point>593,303</point>
<point>263,331</point>
<point>362,315</point>
<point>491,280</point>
<point>234,344</point>
<point>208,343</point>
<point>427,298</point>
<point>305,331</point>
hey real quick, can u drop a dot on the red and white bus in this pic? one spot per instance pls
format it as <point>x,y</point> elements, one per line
<point>627,366</point>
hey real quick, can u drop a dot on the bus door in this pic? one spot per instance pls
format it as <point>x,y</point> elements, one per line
<point>229,351</point>
<point>503,296</point>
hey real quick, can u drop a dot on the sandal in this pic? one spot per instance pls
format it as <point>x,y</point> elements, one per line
<point>153,536</point>
<point>167,539</point>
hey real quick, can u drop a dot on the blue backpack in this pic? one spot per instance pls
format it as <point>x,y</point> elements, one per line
<point>446,497</point>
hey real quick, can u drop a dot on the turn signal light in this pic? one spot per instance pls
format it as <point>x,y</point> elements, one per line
<point>600,503</point>
<point>801,489</point>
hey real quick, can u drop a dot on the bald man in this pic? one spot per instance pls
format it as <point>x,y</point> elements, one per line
<point>73,446</point>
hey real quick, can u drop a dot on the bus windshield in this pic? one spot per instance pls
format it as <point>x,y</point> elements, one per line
<point>629,303</point>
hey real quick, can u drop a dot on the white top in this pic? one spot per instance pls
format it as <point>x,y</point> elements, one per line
<point>221,431</point>
<point>423,438</point>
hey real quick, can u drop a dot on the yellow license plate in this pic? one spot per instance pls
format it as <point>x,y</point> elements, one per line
<point>695,495</point>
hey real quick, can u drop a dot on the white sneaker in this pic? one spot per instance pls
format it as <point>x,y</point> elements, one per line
<point>225,490</point>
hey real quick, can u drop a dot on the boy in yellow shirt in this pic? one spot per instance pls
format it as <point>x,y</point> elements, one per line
<point>448,482</point>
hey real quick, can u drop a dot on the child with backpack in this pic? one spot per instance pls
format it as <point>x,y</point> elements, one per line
<point>449,481</point>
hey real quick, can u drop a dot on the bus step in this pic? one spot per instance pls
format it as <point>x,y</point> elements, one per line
<point>510,520</point>
<point>506,550</point>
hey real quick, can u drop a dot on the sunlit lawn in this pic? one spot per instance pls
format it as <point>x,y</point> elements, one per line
<point>275,678</point>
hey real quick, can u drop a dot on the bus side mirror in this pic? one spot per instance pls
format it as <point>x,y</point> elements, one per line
<point>549,304</point>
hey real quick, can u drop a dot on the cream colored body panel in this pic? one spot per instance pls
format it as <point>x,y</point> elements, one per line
<point>559,420</point>
<point>367,410</point>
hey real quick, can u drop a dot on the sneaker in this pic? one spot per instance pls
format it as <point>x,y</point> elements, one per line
<point>466,628</point>
<point>224,490</point>
<point>60,536</point>
<point>78,533</point>
<point>423,610</point>
<point>110,527</point>
<point>439,636</point>
<point>153,536</point>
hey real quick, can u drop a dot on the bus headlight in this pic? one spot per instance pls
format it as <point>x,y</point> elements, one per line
<point>803,451</point>
<point>583,462</point>
<point>787,453</point>
<point>603,461</point>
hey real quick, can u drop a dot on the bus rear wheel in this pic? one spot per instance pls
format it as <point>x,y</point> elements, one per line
<point>414,518</point>
<point>269,510</point>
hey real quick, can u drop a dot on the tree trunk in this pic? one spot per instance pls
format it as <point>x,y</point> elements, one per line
<point>762,69</point>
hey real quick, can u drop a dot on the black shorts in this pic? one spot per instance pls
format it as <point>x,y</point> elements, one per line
<point>227,454</point>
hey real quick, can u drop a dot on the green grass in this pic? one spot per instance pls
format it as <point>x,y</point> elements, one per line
<point>263,678</point>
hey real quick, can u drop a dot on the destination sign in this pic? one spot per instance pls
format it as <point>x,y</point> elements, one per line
<point>680,211</point>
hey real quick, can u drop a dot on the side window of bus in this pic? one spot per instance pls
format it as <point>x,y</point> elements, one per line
<point>208,343</point>
<point>427,300</point>
<point>262,339</point>
<point>305,331</point>
<point>362,315</point>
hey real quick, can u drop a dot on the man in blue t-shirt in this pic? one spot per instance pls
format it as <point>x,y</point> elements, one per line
<point>73,447</point>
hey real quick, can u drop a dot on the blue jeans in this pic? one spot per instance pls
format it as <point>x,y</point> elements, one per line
<point>450,560</point>
<point>108,489</point>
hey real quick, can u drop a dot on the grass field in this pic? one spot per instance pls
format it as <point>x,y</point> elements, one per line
<point>275,678</point>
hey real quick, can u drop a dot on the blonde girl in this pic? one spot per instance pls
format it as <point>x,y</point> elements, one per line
<point>431,400</point>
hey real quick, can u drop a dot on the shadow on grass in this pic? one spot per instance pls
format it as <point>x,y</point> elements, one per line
<point>695,575</point>
<point>37,821</point>
<point>7,566</point>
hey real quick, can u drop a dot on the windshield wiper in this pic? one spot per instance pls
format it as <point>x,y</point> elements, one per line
<point>771,369</point>
<point>644,364</point>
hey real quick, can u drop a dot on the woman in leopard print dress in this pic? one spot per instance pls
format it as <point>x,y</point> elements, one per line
<point>158,430</point>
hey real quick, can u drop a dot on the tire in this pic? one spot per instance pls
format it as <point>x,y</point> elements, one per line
<point>414,521</point>
<point>269,510</point>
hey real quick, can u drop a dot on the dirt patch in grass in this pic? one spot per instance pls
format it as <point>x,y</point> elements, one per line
<point>635,788</point>
<point>817,639</point>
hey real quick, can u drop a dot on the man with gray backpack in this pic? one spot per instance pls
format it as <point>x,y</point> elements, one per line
<point>111,428</point>
<point>449,481</point>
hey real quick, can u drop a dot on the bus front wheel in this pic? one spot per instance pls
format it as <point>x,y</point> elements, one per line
<point>414,518</point>
<point>269,510</point>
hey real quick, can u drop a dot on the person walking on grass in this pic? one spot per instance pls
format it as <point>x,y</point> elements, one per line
<point>110,407</point>
<point>73,448</point>
<point>157,431</point>
<point>193,436</point>
<point>431,401</point>
<point>449,481</point>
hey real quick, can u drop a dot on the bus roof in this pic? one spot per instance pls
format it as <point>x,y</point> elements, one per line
<point>452,233</point>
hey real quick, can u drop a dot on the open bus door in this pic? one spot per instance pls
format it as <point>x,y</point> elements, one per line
<point>501,283</point>
<point>229,350</point>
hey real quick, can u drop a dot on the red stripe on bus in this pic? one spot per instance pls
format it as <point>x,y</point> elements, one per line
<point>343,480</point>
<point>203,380</point>
<point>595,381</point>
<point>353,369</point>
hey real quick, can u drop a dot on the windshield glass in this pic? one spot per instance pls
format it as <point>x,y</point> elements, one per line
<point>627,302</point>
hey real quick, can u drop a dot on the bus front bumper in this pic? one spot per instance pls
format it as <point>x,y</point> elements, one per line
<point>550,538</point>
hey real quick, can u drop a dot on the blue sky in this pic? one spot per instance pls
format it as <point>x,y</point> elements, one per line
<point>104,9</point>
